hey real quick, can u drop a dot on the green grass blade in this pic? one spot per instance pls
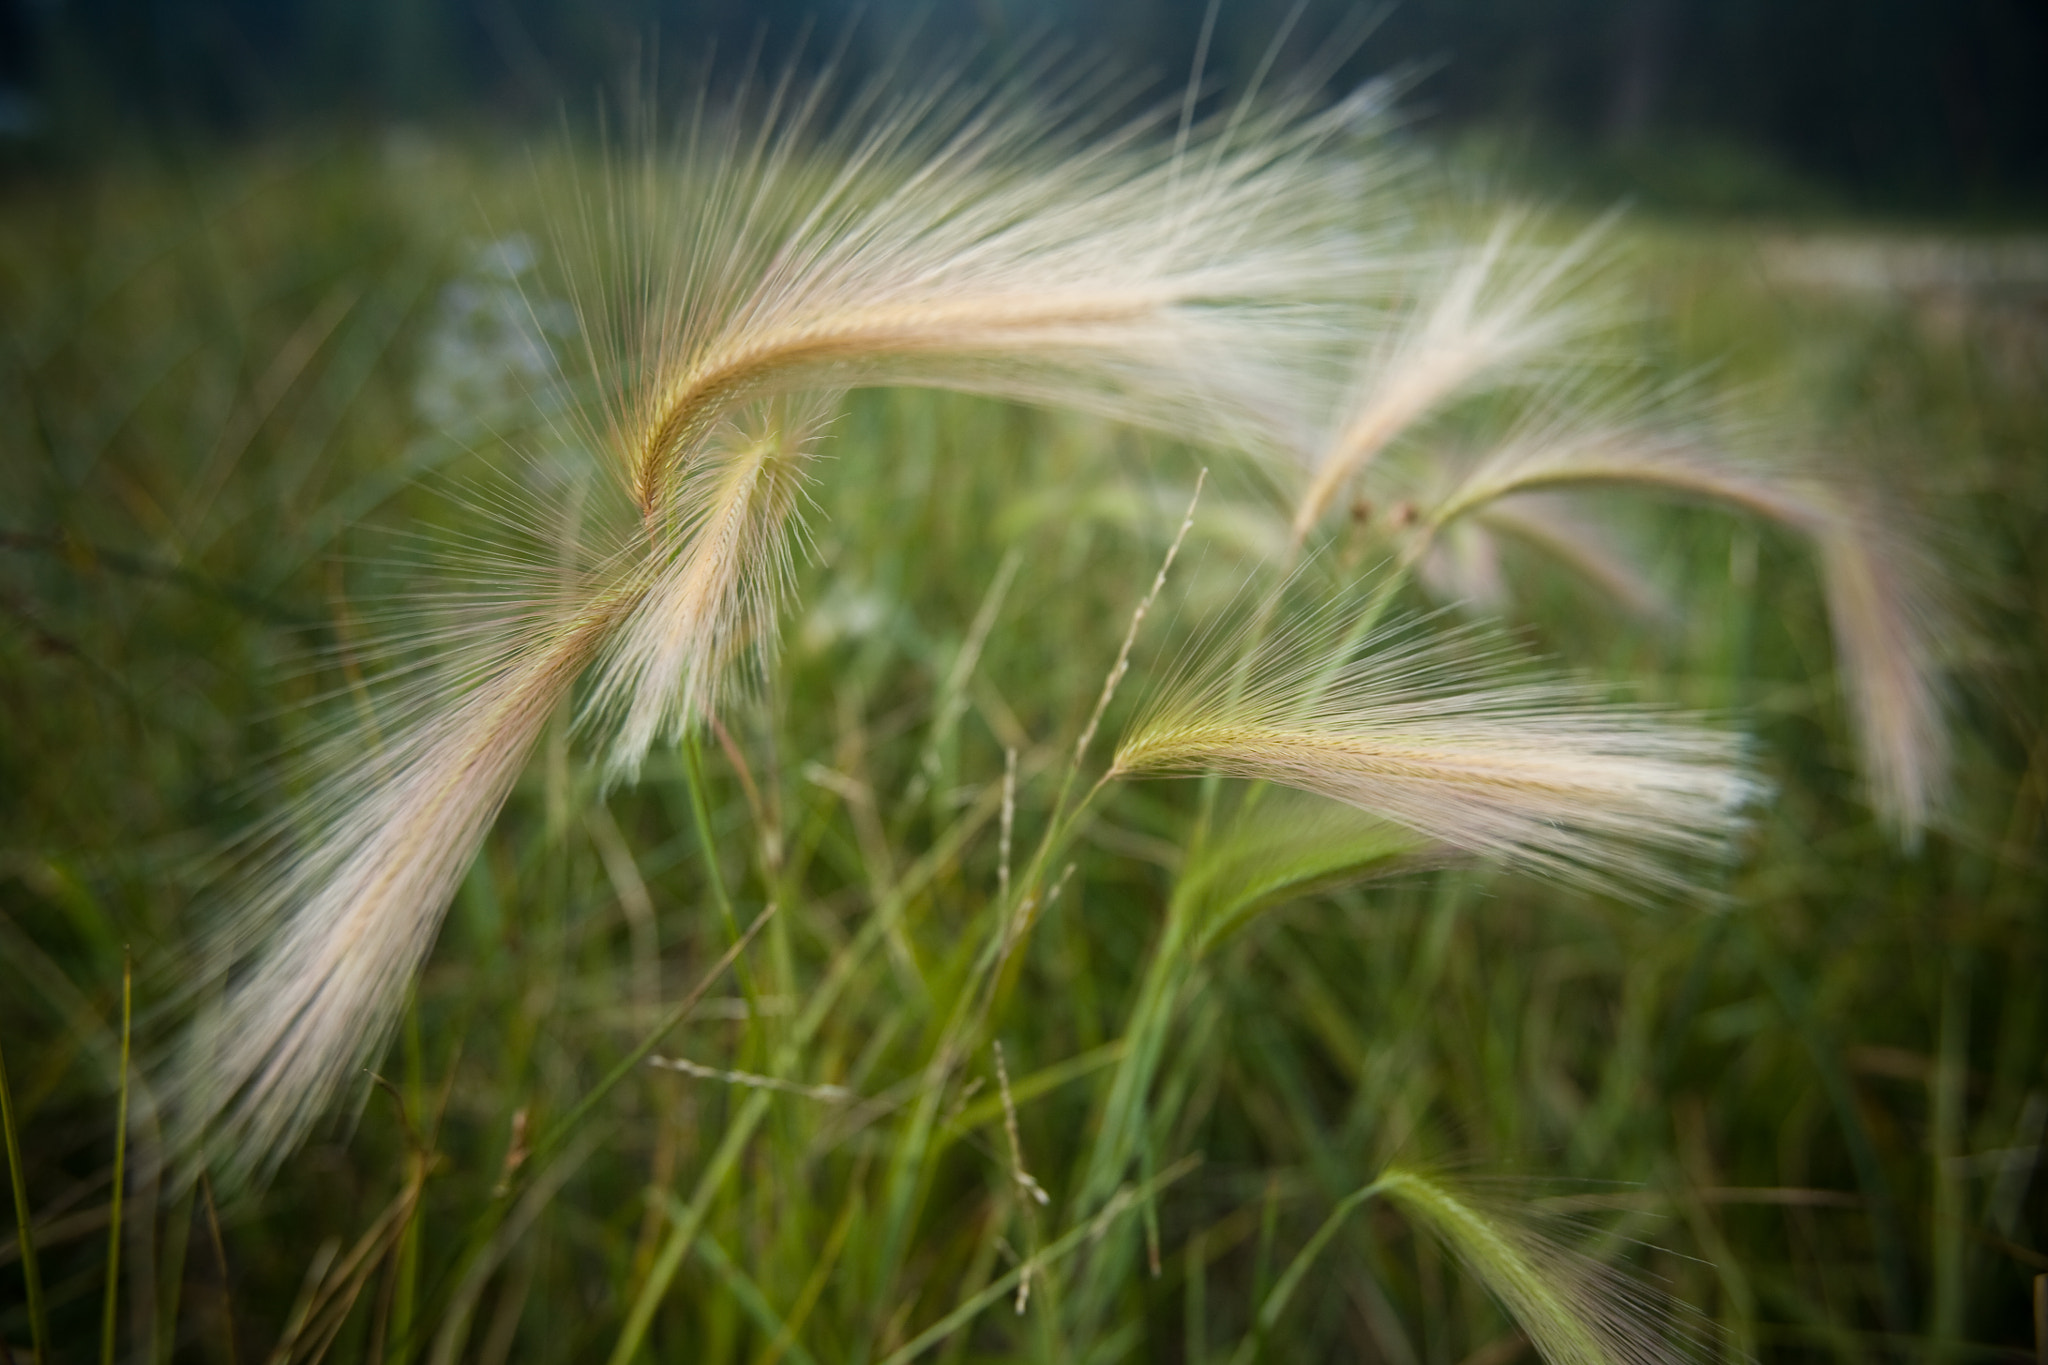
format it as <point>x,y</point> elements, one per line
<point>405,1291</point>
<point>120,1165</point>
<point>30,1273</point>
<point>745,1292</point>
<point>688,1221</point>
<point>1947,1104</point>
<point>1896,1301</point>
<point>999,1288</point>
<point>1284,847</point>
<point>1290,1279</point>
<point>568,1124</point>
<point>542,1158</point>
<point>1040,1082</point>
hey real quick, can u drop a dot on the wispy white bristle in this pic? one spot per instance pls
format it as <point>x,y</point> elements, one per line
<point>977,240</point>
<point>1439,734</point>
<point>1570,533</point>
<point>1496,313</point>
<point>716,598</point>
<point>341,928</point>
<point>1884,590</point>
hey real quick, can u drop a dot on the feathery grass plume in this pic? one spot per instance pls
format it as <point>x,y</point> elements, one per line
<point>1499,312</point>
<point>715,598</point>
<point>995,239</point>
<point>1437,732</point>
<point>1886,601</point>
<point>340,925</point>
<point>1575,1310</point>
<point>988,240</point>
<point>967,236</point>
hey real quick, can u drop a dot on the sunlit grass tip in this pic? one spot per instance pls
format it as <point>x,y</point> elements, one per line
<point>1891,607</point>
<point>1496,315</point>
<point>1442,734</point>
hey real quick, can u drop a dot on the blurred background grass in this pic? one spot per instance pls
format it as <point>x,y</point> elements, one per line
<point>251,337</point>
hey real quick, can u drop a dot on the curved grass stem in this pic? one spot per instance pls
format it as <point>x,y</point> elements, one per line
<point>31,1272</point>
<point>120,1164</point>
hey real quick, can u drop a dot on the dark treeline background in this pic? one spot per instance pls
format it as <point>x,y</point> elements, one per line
<point>1921,105</point>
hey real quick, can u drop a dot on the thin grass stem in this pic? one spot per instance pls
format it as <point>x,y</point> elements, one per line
<point>31,1273</point>
<point>741,1127</point>
<point>686,1222</point>
<point>539,1164</point>
<point>700,818</point>
<point>568,1123</point>
<point>1060,824</point>
<point>747,1294</point>
<point>220,1253</point>
<point>1055,1252</point>
<point>1895,1299</point>
<point>1123,654</point>
<point>120,1164</point>
<point>1276,1299</point>
<point>405,1294</point>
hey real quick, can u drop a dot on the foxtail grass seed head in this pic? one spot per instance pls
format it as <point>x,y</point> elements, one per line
<point>1440,733</point>
<point>1509,316</point>
<point>1887,597</point>
<point>713,588</point>
<point>1574,1310</point>
<point>1494,316</point>
<point>340,928</point>
<point>975,239</point>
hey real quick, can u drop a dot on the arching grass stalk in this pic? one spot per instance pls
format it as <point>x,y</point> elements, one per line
<point>1435,735</point>
<point>1575,1310</point>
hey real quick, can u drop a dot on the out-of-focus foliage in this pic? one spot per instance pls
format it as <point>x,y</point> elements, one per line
<point>1716,103</point>
<point>1813,1108</point>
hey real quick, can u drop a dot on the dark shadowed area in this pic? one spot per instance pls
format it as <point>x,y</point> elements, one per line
<point>1922,105</point>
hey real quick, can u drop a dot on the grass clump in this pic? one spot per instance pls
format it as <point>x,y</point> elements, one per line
<point>821,990</point>
<point>1176,286</point>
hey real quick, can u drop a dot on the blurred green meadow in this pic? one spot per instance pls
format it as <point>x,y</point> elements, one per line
<point>1808,1103</point>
